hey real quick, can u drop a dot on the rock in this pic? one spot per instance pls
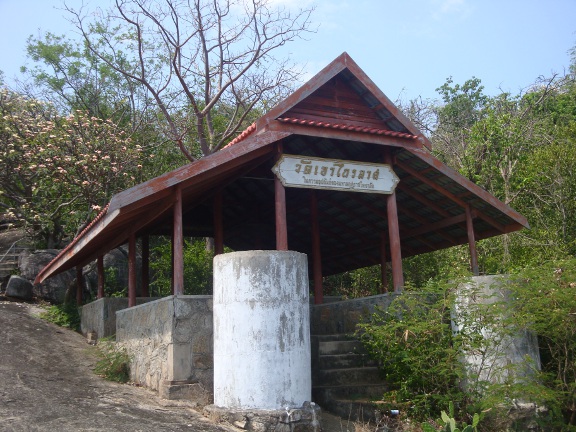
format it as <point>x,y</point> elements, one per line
<point>52,289</point>
<point>19,288</point>
<point>116,271</point>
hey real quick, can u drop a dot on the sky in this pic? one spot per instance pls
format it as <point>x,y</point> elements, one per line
<point>407,47</point>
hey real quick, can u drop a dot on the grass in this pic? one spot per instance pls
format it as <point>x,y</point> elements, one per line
<point>113,363</point>
<point>64,315</point>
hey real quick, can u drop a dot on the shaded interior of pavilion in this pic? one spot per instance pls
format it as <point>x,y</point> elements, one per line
<point>234,196</point>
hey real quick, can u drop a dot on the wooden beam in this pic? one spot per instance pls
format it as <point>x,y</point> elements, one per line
<point>472,242</point>
<point>178,244</point>
<point>132,270</point>
<point>145,266</point>
<point>449,195</point>
<point>101,277</point>
<point>280,209</point>
<point>218,224</point>
<point>316,252</point>
<point>394,233</point>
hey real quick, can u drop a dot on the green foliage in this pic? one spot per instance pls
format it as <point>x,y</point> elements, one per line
<point>412,341</point>
<point>113,363</point>
<point>112,286</point>
<point>197,268</point>
<point>64,315</point>
<point>357,283</point>
<point>450,424</point>
<point>546,305</point>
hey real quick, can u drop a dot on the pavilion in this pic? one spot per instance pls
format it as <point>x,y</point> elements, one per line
<point>234,196</point>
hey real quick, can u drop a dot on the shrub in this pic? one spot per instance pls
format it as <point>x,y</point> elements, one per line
<point>113,363</point>
<point>64,315</point>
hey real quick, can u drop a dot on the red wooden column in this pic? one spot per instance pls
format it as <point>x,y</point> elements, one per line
<point>280,206</point>
<point>100,267</point>
<point>316,253</point>
<point>178,245</point>
<point>394,233</point>
<point>145,266</point>
<point>383,259</point>
<point>79,285</point>
<point>218,224</point>
<point>132,270</point>
<point>472,242</point>
<point>172,262</point>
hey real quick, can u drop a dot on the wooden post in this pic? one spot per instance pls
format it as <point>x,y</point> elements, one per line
<point>316,252</point>
<point>280,206</point>
<point>394,233</point>
<point>472,242</point>
<point>100,267</point>
<point>383,269</point>
<point>79,285</point>
<point>178,245</point>
<point>172,262</point>
<point>132,270</point>
<point>145,266</point>
<point>218,224</point>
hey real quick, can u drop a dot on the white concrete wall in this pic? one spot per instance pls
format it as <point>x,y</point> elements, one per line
<point>261,330</point>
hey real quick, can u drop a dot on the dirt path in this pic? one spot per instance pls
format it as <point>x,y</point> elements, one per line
<point>47,384</point>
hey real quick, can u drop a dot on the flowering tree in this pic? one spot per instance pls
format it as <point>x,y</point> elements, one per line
<point>55,171</point>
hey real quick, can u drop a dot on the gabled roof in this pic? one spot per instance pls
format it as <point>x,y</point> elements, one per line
<point>340,113</point>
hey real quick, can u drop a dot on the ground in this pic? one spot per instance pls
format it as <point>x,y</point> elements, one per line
<point>47,384</point>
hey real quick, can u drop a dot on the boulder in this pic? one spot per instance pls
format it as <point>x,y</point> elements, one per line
<point>19,288</point>
<point>54,288</point>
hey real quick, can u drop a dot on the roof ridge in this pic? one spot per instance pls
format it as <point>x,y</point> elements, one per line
<point>342,126</point>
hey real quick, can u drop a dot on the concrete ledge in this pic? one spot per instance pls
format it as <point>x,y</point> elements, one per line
<point>185,390</point>
<point>308,418</point>
<point>99,316</point>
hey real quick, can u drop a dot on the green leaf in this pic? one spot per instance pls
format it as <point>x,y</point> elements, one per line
<point>426,427</point>
<point>475,420</point>
<point>445,417</point>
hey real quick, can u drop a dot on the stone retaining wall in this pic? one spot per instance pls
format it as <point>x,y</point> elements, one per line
<point>341,317</point>
<point>170,345</point>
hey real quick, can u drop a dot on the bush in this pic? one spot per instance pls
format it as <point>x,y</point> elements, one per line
<point>114,362</point>
<point>197,268</point>
<point>413,344</point>
<point>64,315</point>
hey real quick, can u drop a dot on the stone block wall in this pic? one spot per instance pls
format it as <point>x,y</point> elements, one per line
<point>341,317</point>
<point>170,344</point>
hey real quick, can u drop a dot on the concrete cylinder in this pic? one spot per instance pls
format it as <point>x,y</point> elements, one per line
<point>261,330</point>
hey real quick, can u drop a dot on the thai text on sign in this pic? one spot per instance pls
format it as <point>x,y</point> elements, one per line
<point>335,174</point>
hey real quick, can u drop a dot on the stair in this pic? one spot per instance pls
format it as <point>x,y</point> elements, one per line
<point>9,260</point>
<point>345,381</point>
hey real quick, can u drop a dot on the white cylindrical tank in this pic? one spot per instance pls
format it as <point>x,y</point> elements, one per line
<point>261,330</point>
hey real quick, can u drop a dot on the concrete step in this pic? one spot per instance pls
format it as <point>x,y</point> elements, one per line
<point>341,347</point>
<point>348,376</point>
<point>341,361</point>
<point>361,411</point>
<point>334,337</point>
<point>373,391</point>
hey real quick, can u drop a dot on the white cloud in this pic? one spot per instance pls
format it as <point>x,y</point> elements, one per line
<point>450,8</point>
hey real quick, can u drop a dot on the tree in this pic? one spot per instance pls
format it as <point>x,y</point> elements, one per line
<point>206,64</point>
<point>56,172</point>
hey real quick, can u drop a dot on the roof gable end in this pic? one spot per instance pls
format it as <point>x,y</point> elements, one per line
<point>341,96</point>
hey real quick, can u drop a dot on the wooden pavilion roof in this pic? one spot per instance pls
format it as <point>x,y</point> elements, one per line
<point>339,114</point>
